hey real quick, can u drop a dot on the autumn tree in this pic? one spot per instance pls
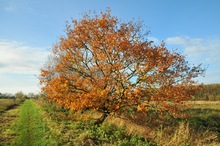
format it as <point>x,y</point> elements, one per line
<point>108,65</point>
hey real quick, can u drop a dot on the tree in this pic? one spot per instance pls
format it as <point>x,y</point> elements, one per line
<point>32,95</point>
<point>20,96</point>
<point>109,65</point>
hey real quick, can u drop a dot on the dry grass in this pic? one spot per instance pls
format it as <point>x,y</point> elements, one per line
<point>203,104</point>
<point>6,120</point>
<point>170,135</point>
<point>182,134</point>
<point>178,134</point>
<point>5,103</point>
<point>131,127</point>
<point>210,92</point>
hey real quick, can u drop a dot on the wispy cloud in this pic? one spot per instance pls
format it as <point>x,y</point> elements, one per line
<point>19,58</point>
<point>198,50</point>
<point>207,49</point>
<point>19,66</point>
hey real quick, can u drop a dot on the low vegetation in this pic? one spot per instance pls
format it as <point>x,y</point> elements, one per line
<point>8,101</point>
<point>6,104</point>
<point>42,122</point>
<point>7,119</point>
<point>29,128</point>
<point>66,128</point>
<point>202,127</point>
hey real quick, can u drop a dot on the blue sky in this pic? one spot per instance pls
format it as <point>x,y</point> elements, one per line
<point>29,28</point>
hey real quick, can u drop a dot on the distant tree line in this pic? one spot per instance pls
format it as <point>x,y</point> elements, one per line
<point>6,95</point>
<point>209,92</point>
<point>19,95</point>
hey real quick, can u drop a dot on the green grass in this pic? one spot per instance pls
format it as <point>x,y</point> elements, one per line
<point>29,126</point>
<point>43,123</point>
<point>8,118</point>
<point>201,128</point>
<point>65,129</point>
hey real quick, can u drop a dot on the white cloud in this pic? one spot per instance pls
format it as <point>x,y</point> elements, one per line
<point>19,66</point>
<point>12,83</point>
<point>198,50</point>
<point>176,40</point>
<point>18,58</point>
<point>208,50</point>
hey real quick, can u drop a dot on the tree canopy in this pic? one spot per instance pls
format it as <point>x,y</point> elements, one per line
<point>108,65</point>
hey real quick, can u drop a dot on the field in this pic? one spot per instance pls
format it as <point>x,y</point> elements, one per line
<point>5,104</point>
<point>39,122</point>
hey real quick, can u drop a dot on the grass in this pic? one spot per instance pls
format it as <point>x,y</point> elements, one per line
<point>212,105</point>
<point>6,103</point>
<point>43,123</point>
<point>205,116</point>
<point>66,129</point>
<point>29,126</point>
<point>185,135</point>
<point>7,119</point>
<point>200,129</point>
<point>210,92</point>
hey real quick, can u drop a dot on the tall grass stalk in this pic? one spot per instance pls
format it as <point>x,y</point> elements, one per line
<point>184,135</point>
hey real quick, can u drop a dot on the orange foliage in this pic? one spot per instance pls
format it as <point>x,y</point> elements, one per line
<point>107,65</point>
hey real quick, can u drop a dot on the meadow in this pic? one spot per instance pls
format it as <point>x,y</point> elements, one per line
<point>6,103</point>
<point>42,122</point>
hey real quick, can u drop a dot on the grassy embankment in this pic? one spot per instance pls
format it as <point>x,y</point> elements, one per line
<point>47,124</point>
<point>68,128</point>
<point>201,128</point>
